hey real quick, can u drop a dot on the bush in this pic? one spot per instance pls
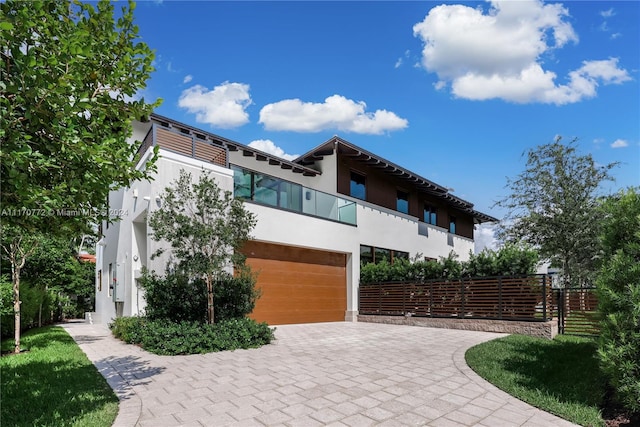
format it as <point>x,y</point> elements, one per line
<point>618,286</point>
<point>235,297</point>
<point>511,260</point>
<point>36,306</point>
<point>174,297</point>
<point>186,337</point>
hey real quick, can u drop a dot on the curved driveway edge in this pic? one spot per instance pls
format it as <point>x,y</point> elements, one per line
<point>323,374</point>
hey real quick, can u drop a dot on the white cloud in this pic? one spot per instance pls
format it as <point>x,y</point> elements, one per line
<point>269,147</point>
<point>619,143</point>
<point>398,63</point>
<point>615,36</point>
<point>223,107</point>
<point>336,112</point>
<point>607,13</point>
<point>499,54</point>
<point>484,237</point>
<point>187,78</point>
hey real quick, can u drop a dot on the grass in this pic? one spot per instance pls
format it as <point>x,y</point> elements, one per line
<point>560,376</point>
<point>53,384</point>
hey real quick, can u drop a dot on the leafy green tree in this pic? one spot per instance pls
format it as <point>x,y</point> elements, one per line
<point>69,75</point>
<point>553,206</point>
<point>618,287</point>
<point>206,228</point>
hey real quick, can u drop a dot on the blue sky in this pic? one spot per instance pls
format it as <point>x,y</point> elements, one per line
<point>454,91</point>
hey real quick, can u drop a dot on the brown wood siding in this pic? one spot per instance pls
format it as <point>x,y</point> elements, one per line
<point>173,141</point>
<point>183,144</point>
<point>298,285</point>
<point>211,154</point>
<point>382,191</point>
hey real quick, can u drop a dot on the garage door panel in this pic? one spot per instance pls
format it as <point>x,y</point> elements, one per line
<point>298,287</point>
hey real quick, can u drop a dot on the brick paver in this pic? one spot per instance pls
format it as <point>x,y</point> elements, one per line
<point>338,374</point>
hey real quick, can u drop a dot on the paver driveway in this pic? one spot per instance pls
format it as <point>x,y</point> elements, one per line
<point>354,374</point>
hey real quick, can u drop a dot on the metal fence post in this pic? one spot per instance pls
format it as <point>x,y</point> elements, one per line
<point>500,306</point>
<point>544,297</point>
<point>461,314</point>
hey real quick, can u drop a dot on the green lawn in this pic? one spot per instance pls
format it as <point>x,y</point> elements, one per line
<point>53,384</point>
<point>560,376</point>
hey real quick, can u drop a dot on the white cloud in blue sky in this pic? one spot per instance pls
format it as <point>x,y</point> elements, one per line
<point>499,54</point>
<point>619,143</point>
<point>224,106</point>
<point>270,147</point>
<point>187,78</point>
<point>336,112</point>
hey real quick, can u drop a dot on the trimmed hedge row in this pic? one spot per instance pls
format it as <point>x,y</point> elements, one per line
<point>187,337</point>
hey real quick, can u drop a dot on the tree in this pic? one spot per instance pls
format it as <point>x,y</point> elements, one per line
<point>618,287</point>
<point>206,228</point>
<point>69,75</point>
<point>553,205</point>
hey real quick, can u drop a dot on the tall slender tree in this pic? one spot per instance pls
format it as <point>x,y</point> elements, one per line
<point>206,228</point>
<point>553,205</point>
<point>70,73</point>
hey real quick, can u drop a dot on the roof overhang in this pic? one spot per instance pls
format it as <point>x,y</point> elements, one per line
<point>345,148</point>
<point>235,146</point>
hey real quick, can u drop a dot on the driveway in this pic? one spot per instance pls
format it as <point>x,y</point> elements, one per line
<point>324,374</point>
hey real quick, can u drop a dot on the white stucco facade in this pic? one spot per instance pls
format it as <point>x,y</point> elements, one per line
<point>127,247</point>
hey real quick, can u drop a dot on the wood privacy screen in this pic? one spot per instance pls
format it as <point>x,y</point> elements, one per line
<point>503,298</point>
<point>185,144</point>
<point>578,311</point>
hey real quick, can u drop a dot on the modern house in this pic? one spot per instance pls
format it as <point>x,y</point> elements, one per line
<point>319,217</point>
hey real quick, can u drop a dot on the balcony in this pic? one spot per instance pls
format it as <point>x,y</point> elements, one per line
<point>186,144</point>
<point>278,193</point>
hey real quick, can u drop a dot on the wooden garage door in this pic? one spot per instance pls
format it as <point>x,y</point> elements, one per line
<point>298,285</point>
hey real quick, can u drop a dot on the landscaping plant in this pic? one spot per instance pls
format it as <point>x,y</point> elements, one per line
<point>71,72</point>
<point>618,286</point>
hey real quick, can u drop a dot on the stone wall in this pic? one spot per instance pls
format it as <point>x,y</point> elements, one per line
<point>535,329</point>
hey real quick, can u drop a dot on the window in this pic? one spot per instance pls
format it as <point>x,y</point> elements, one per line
<point>366,254</point>
<point>370,254</point>
<point>279,193</point>
<point>430,215</point>
<point>358,188</point>
<point>99,280</point>
<point>402,202</point>
<point>452,225</point>
<point>380,254</point>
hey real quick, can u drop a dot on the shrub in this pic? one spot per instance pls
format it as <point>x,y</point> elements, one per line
<point>174,297</point>
<point>177,298</point>
<point>186,337</point>
<point>235,297</point>
<point>511,260</point>
<point>618,286</point>
<point>36,306</point>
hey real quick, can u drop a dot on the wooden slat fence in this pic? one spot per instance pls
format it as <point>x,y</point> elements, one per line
<point>505,298</point>
<point>578,311</point>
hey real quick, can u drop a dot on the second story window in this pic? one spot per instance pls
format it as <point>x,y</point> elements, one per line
<point>452,224</point>
<point>358,188</point>
<point>402,202</point>
<point>430,215</point>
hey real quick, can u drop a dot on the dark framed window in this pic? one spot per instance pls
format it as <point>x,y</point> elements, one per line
<point>430,215</point>
<point>452,224</point>
<point>402,202</point>
<point>371,254</point>
<point>358,186</point>
<point>366,254</point>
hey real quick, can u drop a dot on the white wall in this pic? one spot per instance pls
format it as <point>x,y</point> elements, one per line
<point>127,244</point>
<point>376,226</point>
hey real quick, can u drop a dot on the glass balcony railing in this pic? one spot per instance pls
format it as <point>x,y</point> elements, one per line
<point>271,191</point>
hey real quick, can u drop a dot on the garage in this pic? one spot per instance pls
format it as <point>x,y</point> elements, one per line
<point>298,285</point>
